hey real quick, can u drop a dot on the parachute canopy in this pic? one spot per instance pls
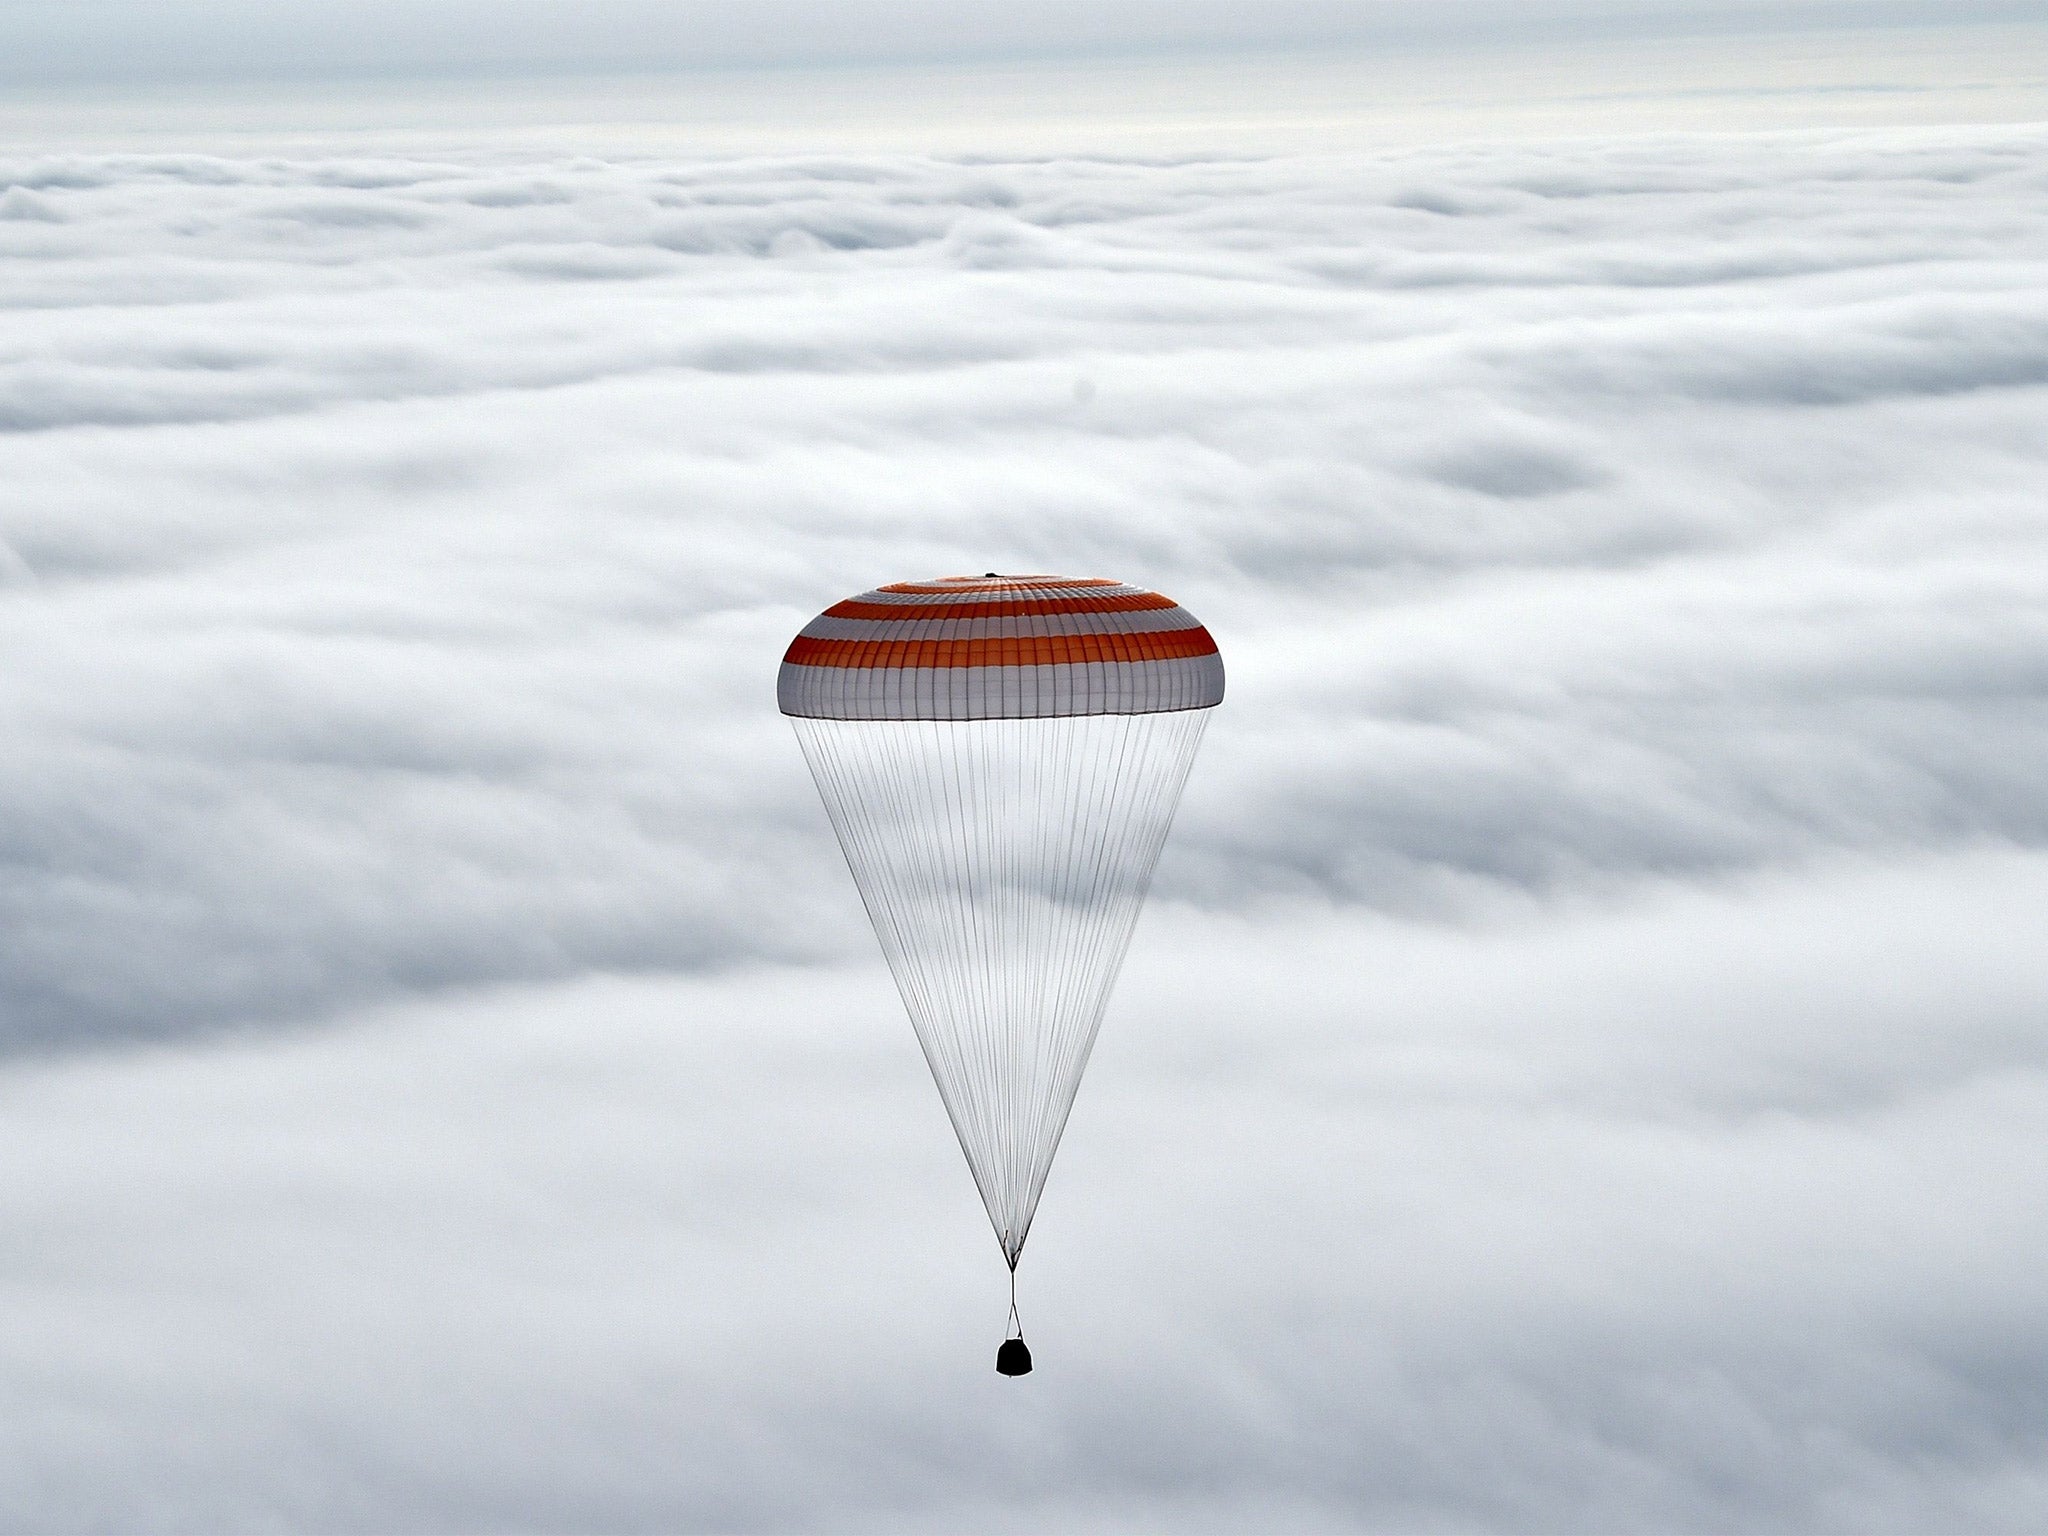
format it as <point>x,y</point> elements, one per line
<point>1000,648</point>
<point>1001,757</point>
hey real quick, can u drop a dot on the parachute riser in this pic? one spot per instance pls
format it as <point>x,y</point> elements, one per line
<point>1014,1358</point>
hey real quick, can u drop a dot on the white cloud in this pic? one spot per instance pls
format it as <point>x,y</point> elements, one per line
<point>1585,1067</point>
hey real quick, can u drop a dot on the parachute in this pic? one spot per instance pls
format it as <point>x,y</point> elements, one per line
<point>1001,757</point>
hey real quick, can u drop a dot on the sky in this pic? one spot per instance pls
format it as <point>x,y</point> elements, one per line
<point>1585,1063</point>
<point>981,77</point>
<point>141,40</point>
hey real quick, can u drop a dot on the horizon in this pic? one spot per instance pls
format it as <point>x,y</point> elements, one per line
<point>1685,67</point>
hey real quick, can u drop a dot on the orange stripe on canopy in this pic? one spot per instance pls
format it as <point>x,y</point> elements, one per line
<point>996,583</point>
<point>1128,602</point>
<point>1009,651</point>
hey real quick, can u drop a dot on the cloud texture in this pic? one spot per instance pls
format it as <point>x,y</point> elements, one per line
<point>1585,1069</point>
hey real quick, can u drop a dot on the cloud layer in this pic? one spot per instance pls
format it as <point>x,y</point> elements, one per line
<point>424,946</point>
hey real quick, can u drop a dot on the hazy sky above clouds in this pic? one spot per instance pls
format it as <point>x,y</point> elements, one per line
<point>143,40</point>
<point>962,77</point>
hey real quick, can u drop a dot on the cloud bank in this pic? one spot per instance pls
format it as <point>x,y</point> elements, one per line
<point>1586,1068</point>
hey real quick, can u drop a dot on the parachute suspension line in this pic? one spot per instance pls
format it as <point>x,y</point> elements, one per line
<point>1003,864</point>
<point>1016,1324</point>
